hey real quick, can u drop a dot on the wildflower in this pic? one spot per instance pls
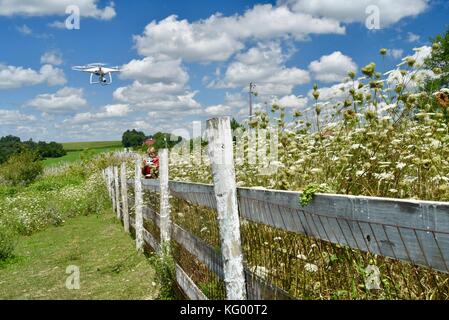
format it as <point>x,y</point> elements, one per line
<point>301,257</point>
<point>383,51</point>
<point>437,71</point>
<point>442,98</point>
<point>401,165</point>
<point>368,70</point>
<point>384,176</point>
<point>376,84</point>
<point>310,267</point>
<point>349,115</point>
<point>436,45</point>
<point>426,163</point>
<point>260,271</point>
<point>410,61</point>
<point>297,114</point>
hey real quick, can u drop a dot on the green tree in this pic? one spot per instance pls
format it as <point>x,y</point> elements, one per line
<point>133,138</point>
<point>9,145</point>
<point>439,62</point>
<point>21,169</point>
<point>235,124</point>
<point>164,140</point>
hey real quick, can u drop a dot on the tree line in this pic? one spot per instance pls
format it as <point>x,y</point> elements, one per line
<point>136,139</point>
<point>11,145</point>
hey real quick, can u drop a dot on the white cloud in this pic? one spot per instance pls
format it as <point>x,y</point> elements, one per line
<point>157,96</point>
<point>218,110</point>
<point>355,11</point>
<point>24,29</point>
<point>180,39</point>
<point>88,8</point>
<point>12,77</point>
<point>64,101</point>
<point>107,112</point>
<point>332,68</point>
<point>52,57</point>
<point>395,53</point>
<point>57,25</point>
<point>14,117</point>
<point>218,37</point>
<point>263,65</point>
<point>293,101</point>
<point>151,70</point>
<point>411,37</point>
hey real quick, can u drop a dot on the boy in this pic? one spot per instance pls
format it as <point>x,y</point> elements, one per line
<point>151,165</point>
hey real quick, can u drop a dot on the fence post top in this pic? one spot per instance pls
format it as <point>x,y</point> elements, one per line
<point>214,122</point>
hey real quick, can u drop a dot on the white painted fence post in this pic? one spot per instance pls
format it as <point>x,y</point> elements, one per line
<point>112,185</point>
<point>107,181</point>
<point>138,206</point>
<point>164,196</point>
<point>221,156</point>
<point>117,192</point>
<point>125,212</point>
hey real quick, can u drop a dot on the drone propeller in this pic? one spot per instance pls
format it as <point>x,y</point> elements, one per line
<point>98,64</point>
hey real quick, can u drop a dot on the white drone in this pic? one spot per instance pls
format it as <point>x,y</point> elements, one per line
<point>100,70</point>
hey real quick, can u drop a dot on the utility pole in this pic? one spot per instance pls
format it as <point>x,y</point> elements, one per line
<point>252,86</point>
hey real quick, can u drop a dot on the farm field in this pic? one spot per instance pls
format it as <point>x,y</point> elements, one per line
<point>110,268</point>
<point>73,156</point>
<point>79,146</point>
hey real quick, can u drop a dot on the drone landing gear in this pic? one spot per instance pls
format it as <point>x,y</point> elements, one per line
<point>101,79</point>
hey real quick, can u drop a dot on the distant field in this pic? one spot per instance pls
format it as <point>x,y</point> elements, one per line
<point>79,146</point>
<point>74,155</point>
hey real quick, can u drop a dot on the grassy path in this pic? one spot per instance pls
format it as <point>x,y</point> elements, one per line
<point>109,266</point>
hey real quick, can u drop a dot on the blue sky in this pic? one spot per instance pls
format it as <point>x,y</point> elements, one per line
<point>186,61</point>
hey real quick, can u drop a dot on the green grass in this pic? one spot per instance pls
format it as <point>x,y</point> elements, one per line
<point>109,266</point>
<point>74,150</point>
<point>79,146</point>
<point>73,156</point>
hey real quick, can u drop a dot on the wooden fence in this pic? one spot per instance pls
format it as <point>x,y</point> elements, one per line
<point>416,232</point>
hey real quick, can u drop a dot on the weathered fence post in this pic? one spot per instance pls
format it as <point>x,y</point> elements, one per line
<point>112,185</point>
<point>117,192</point>
<point>107,181</point>
<point>125,212</point>
<point>164,196</point>
<point>138,206</point>
<point>221,156</point>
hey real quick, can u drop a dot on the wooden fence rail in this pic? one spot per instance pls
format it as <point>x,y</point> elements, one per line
<point>408,230</point>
